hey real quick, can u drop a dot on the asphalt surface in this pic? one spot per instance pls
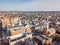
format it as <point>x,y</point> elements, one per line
<point>56,43</point>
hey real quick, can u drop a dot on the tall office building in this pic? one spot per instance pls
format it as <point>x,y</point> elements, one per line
<point>0,25</point>
<point>0,30</point>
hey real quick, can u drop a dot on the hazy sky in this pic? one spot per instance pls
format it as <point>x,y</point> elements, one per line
<point>29,5</point>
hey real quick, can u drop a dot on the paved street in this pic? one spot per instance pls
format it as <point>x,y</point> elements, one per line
<point>56,43</point>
